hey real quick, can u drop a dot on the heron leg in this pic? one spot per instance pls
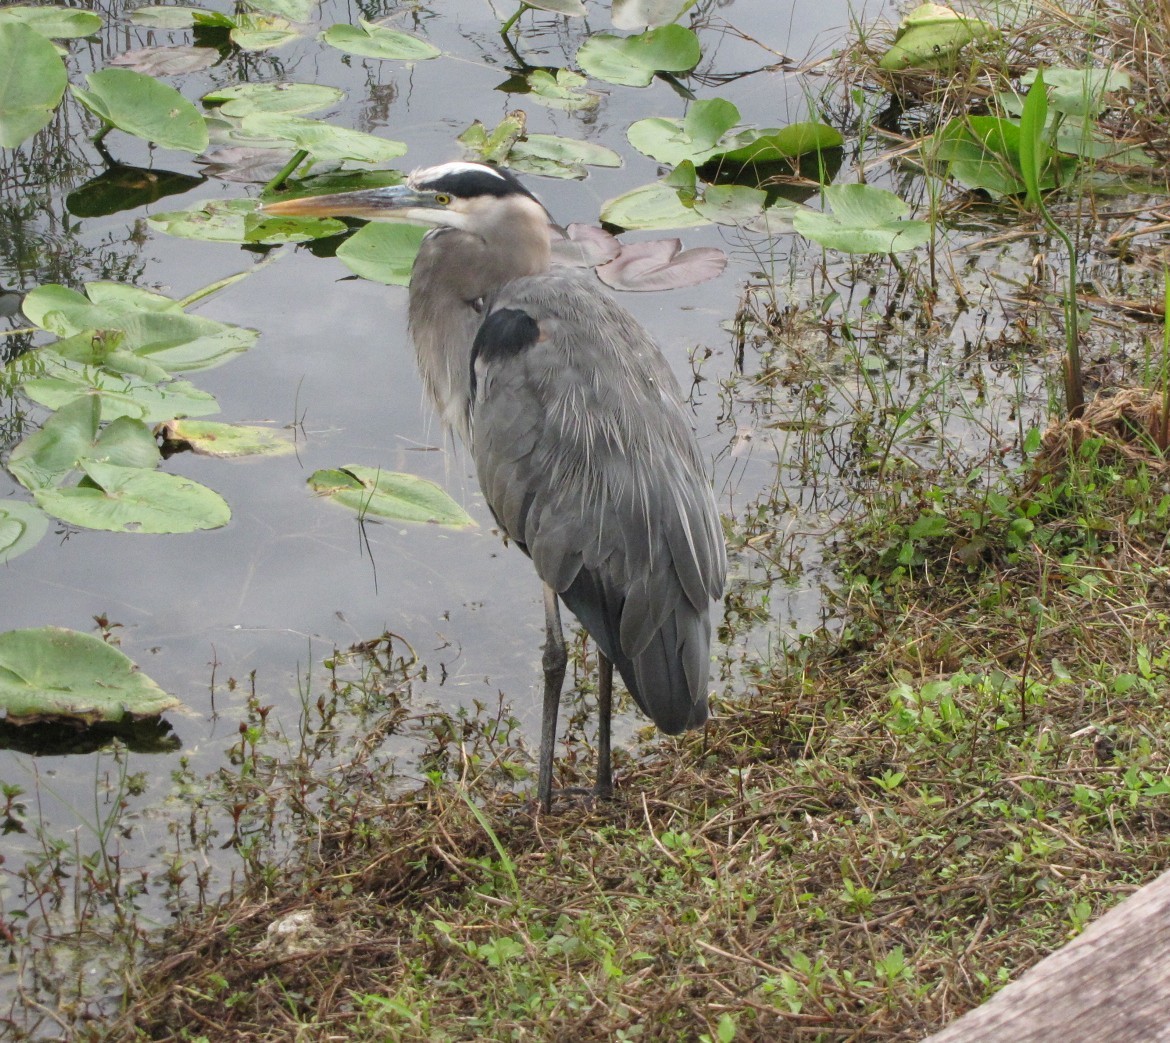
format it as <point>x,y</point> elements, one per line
<point>604,708</point>
<point>554,661</point>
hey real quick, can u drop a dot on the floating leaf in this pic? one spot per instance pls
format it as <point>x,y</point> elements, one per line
<point>142,106</point>
<point>375,41</point>
<point>321,140</point>
<point>496,146</point>
<point>239,221</point>
<point>21,527</point>
<point>662,265</point>
<point>864,219</point>
<point>651,206</point>
<point>564,91</point>
<point>288,98</point>
<point>297,10</point>
<point>146,400</point>
<point>133,499</point>
<point>585,247</point>
<point>931,36</point>
<point>51,672</point>
<point>633,61</point>
<point>1080,92</point>
<point>32,81</point>
<point>382,252</point>
<point>774,146</point>
<point>72,436</point>
<point>258,32</point>
<point>209,438</point>
<point>646,14</point>
<point>695,138</point>
<point>731,204</point>
<point>65,311</point>
<point>245,164</point>
<point>53,23</point>
<point>166,61</point>
<point>388,494</point>
<point>170,17</point>
<point>554,156</point>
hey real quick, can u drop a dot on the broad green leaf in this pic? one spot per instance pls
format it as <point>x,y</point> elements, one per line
<point>53,23</point>
<point>554,156</point>
<point>695,138</point>
<point>239,221</point>
<point>262,32</point>
<point>72,436</point>
<point>65,312</point>
<point>51,672</point>
<point>931,36</point>
<point>387,494</point>
<point>61,381</point>
<point>650,206</point>
<point>983,152</point>
<point>142,106</point>
<point>134,499</point>
<point>774,146</point>
<point>297,10</point>
<point>864,219</point>
<point>646,14</point>
<point>496,146</point>
<point>1080,92</point>
<point>375,41</point>
<point>209,438</point>
<point>633,60</point>
<point>1033,148</point>
<point>170,17</point>
<point>289,98</point>
<point>32,82</point>
<point>21,527</point>
<point>564,91</point>
<point>382,252</point>
<point>321,140</point>
<point>731,204</point>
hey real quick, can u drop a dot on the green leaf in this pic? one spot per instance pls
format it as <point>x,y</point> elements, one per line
<point>226,441</point>
<point>53,23</point>
<point>650,206</point>
<point>646,14</point>
<point>731,204</point>
<point>1080,92</point>
<point>1033,150</point>
<point>321,140</point>
<point>564,91</point>
<point>239,221</point>
<point>289,98</point>
<point>931,36</point>
<point>375,41</point>
<point>297,10</point>
<point>51,672</point>
<point>864,219</point>
<point>496,146</point>
<point>72,436</point>
<point>774,146</point>
<point>387,494</point>
<point>133,499</point>
<point>142,106</point>
<point>555,156</point>
<point>32,82</point>
<point>21,527</point>
<point>261,32</point>
<point>695,138</point>
<point>634,60</point>
<point>171,17</point>
<point>382,252</point>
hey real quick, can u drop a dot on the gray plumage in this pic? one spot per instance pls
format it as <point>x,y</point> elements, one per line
<point>576,424</point>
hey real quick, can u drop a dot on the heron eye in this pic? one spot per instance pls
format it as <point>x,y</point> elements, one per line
<point>442,198</point>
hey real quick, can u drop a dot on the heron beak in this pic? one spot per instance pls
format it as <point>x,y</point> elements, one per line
<point>393,203</point>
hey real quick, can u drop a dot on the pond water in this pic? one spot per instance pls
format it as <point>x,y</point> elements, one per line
<point>292,577</point>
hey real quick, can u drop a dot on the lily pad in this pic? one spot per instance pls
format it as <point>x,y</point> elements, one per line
<point>239,221</point>
<point>165,17</point>
<point>32,82</point>
<point>382,252</point>
<point>646,14</point>
<point>21,527</point>
<point>555,156</point>
<point>566,90</point>
<point>662,265</point>
<point>633,61</point>
<point>931,36</point>
<point>72,436</point>
<point>389,494</point>
<point>51,672</point>
<point>585,246</point>
<point>369,40</point>
<point>166,61</point>
<point>650,206</point>
<point>142,106</point>
<point>289,98</point>
<point>694,137</point>
<point>864,220</point>
<point>134,499</point>
<point>51,22</point>
<point>731,204</point>
<point>1080,92</point>
<point>209,438</point>
<point>262,32</point>
<point>297,10</point>
<point>321,140</point>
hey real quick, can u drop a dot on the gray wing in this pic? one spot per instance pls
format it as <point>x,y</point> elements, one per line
<point>587,460</point>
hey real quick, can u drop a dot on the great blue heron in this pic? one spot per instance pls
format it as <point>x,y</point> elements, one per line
<point>577,429</point>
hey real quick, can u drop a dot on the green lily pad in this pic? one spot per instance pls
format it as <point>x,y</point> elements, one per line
<point>169,17</point>
<point>32,82</point>
<point>226,441</point>
<point>369,40</point>
<point>389,494</point>
<point>51,22</point>
<point>321,140</point>
<point>239,221</point>
<point>496,146</point>
<point>21,527</point>
<point>555,156</point>
<point>773,146</point>
<point>262,32</point>
<point>1080,92</point>
<point>134,499</point>
<point>382,252</point>
<point>646,14</point>
<point>650,206</point>
<point>50,672</point>
<point>72,436</point>
<point>65,311</point>
<point>731,204</point>
<point>297,10</point>
<point>288,98</point>
<point>144,107</point>
<point>696,137</point>
<point>931,36</point>
<point>864,220</point>
<point>566,90</point>
<point>633,61</point>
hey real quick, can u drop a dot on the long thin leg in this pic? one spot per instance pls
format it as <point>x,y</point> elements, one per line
<point>604,708</point>
<point>555,659</point>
